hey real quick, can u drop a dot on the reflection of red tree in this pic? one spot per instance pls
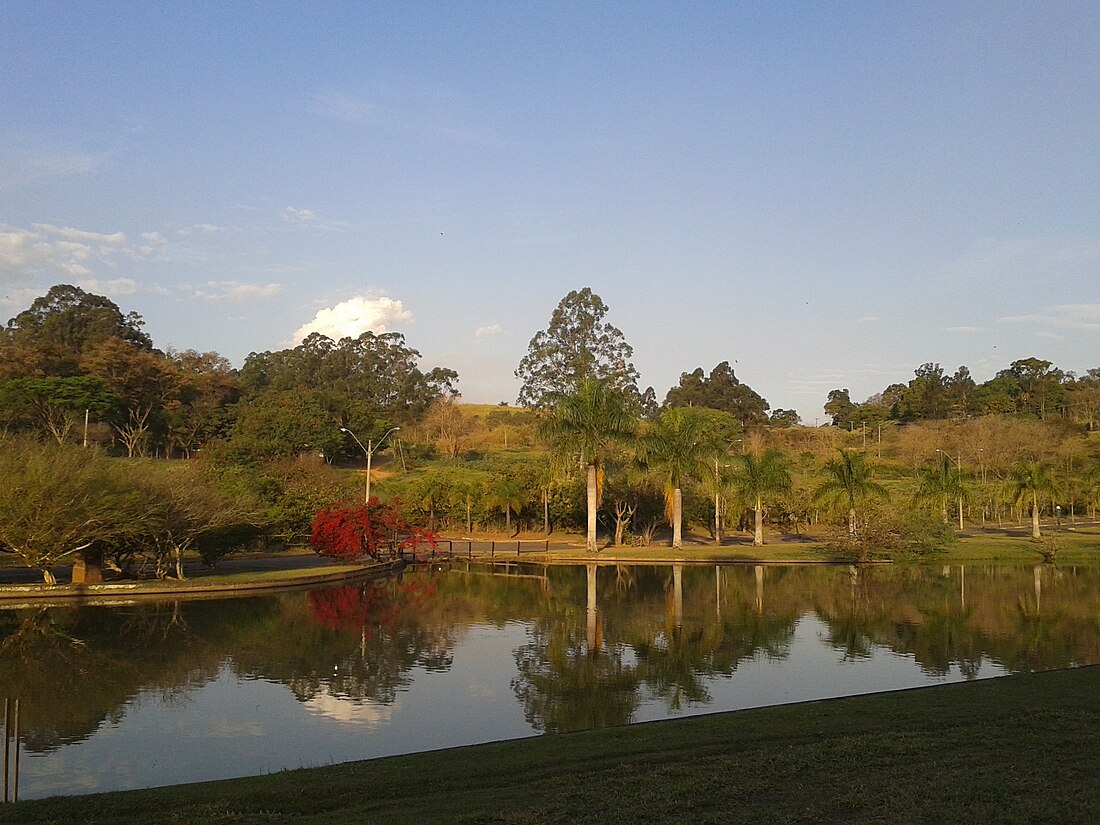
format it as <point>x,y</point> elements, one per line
<point>349,531</point>
<point>379,603</point>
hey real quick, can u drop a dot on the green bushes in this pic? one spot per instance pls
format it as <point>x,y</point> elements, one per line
<point>62,503</point>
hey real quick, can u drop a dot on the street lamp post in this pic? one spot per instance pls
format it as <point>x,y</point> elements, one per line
<point>718,502</point>
<point>368,450</point>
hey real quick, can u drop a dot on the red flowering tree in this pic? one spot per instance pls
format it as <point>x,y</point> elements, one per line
<point>377,529</point>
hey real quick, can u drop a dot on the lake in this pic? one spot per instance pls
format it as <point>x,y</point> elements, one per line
<point>170,692</point>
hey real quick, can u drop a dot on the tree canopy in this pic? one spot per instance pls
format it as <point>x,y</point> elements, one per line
<point>577,345</point>
<point>719,391</point>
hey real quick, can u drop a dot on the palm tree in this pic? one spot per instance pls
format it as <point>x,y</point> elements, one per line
<point>941,482</point>
<point>1030,480</point>
<point>848,481</point>
<point>581,426</point>
<point>677,446</point>
<point>759,478</point>
<point>507,494</point>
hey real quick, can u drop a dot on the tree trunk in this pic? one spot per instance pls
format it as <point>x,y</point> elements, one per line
<point>717,519</point>
<point>546,510</point>
<point>591,546</point>
<point>677,518</point>
<point>758,536</point>
<point>1035,534</point>
<point>960,514</point>
<point>852,523</point>
<point>87,570</point>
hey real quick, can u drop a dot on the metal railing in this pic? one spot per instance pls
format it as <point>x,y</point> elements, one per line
<point>471,549</point>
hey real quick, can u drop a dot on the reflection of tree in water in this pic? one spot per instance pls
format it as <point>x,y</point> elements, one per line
<point>564,686</point>
<point>963,617</point>
<point>724,622</point>
<point>75,668</point>
<point>659,628</point>
<point>360,642</point>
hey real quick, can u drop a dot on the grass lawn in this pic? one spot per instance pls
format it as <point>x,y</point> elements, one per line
<point>1022,749</point>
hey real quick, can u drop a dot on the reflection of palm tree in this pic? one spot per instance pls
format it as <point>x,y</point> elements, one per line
<point>849,481</point>
<point>759,478</point>
<point>563,688</point>
<point>582,425</point>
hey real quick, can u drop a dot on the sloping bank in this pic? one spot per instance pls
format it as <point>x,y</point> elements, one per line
<point>1018,749</point>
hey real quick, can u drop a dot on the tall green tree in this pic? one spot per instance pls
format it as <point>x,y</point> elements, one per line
<point>849,482</point>
<point>677,446</point>
<point>581,427</point>
<point>757,479</point>
<point>1031,480</point>
<point>721,390</point>
<point>578,345</point>
<point>66,322</point>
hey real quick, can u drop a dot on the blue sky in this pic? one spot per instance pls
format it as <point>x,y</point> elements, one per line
<point>824,194</point>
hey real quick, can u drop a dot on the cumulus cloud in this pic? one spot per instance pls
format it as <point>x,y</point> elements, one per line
<point>236,291</point>
<point>488,332</point>
<point>353,317</point>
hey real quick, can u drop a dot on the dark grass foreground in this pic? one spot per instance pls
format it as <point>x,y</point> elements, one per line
<point>1021,749</point>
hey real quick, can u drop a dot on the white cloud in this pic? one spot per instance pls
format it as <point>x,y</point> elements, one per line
<point>28,161</point>
<point>307,219</point>
<point>1064,316</point>
<point>45,252</point>
<point>112,288</point>
<point>236,292</point>
<point>488,332</point>
<point>353,317</point>
<point>415,113</point>
<point>293,215</point>
<point>1001,259</point>
<point>201,229</point>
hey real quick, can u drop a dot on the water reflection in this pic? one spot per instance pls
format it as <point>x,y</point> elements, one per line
<point>447,656</point>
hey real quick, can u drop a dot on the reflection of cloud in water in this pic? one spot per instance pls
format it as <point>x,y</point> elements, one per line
<point>351,712</point>
<point>234,729</point>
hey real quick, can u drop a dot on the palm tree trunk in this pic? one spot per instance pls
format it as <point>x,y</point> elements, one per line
<point>852,522</point>
<point>591,508</point>
<point>960,514</point>
<point>677,518</point>
<point>758,537</point>
<point>1035,518</point>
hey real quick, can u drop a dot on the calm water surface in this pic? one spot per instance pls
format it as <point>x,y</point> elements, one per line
<point>158,694</point>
